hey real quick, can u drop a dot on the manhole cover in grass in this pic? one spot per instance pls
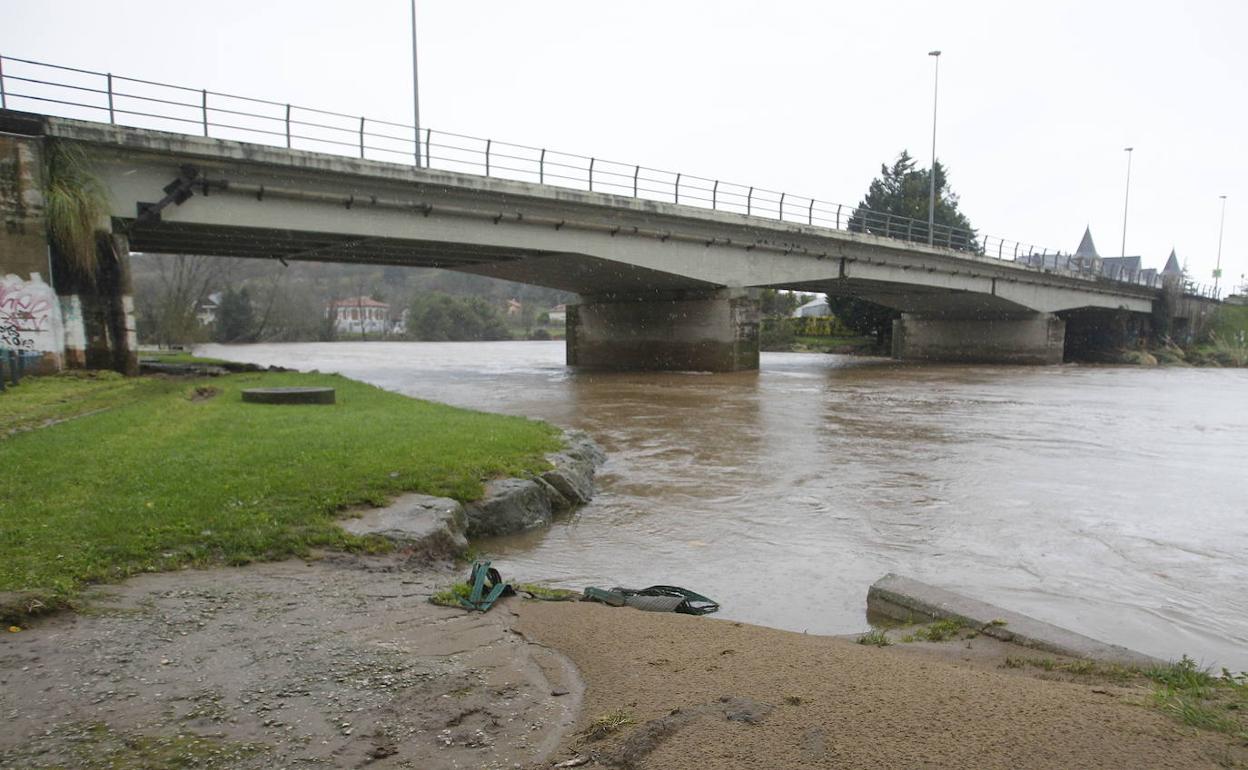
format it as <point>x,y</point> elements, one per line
<point>289,395</point>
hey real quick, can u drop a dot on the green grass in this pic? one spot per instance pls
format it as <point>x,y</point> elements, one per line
<point>178,357</point>
<point>876,637</point>
<point>608,723</point>
<point>40,400</point>
<point>99,747</point>
<point>548,593</point>
<point>1182,690</point>
<point>1201,699</point>
<point>865,343</point>
<point>161,479</point>
<point>449,597</point>
<point>940,631</point>
<point>1230,322</point>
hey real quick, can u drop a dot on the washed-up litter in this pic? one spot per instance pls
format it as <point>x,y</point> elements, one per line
<point>654,599</point>
<point>485,578</point>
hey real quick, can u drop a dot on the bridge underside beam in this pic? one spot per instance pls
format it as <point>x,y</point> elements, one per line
<point>714,332</point>
<point>1035,338</point>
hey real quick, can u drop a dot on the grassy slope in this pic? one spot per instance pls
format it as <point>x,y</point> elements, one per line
<point>162,480</point>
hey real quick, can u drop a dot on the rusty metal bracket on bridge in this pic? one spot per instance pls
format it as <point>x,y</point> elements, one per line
<point>176,192</point>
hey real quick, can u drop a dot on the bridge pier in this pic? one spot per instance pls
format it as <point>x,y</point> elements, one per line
<point>50,312</point>
<point>713,332</point>
<point>1035,338</point>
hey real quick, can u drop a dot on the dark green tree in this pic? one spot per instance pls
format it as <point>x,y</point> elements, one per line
<point>780,304</point>
<point>896,205</point>
<point>440,317</point>
<point>236,321</point>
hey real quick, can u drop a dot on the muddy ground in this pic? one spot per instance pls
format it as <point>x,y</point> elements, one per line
<point>335,662</point>
<point>341,661</point>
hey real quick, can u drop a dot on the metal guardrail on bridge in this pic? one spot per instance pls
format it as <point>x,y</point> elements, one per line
<point>84,94</point>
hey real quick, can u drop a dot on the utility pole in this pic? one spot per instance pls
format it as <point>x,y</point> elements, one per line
<point>415,89</point>
<point>1217,270</point>
<point>1126,202</point>
<point>931,202</point>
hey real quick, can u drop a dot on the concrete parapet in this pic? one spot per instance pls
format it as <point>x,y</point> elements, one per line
<point>904,599</point>
<point>1037,338</point>
<point>714,333</point>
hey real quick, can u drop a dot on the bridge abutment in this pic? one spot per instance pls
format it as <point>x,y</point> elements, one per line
<point>714,332</point>
<point>1036,338</point>
<point>51,313</point>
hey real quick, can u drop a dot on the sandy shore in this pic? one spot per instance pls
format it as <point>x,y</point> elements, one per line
<point>342,662</point>
<point>705,693</point>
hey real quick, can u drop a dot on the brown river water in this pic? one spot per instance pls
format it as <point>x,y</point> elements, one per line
<point>1110,500</point>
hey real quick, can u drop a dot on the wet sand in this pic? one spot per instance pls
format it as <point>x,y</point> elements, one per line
<point>710,694</point>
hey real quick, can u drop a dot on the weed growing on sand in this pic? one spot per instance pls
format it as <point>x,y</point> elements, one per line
<point>940,631</point>
<point>449,597</point>
<point>1113,672</point>
<point>793,700</point>
<point>1183,690</point>
<point>608,723</point>
<point>876,637</point>
<point>548,594</point>
<point>1198,698</point>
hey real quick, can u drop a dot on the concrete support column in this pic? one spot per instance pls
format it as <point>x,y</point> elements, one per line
<point>715,332</point>
<point>49,310</point>
<point>30,311</point>
<point>1031,339</point>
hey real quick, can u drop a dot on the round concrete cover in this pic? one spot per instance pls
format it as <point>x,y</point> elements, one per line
<point>289,395</point>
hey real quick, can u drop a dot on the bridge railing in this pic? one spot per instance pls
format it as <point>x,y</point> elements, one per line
<point>71,92</point>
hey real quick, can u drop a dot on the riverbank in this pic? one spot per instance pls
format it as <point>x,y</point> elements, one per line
<point>667,691</point>
<point>341,660</point>
<point>108,477</point>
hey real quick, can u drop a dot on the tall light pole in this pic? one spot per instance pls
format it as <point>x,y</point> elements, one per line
<point>1126,201</point>
<point>1217,270</point>
<point>931,202</point>
<point>415,88</point>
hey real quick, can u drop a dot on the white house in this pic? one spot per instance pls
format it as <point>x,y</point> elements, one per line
<point>360,315</point>
<point>817,307</point>
<point>558,314</point>
<point>206,311</point>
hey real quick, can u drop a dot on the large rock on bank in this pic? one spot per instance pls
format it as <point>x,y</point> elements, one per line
<point>438,526</point>
<point>434,525</point>
<point>514,505</point>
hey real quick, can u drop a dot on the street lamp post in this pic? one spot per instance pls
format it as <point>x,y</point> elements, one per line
<point>1126,201</point>
<point>1217,270</point>
<point>931,201</point>
<point>415,88</point>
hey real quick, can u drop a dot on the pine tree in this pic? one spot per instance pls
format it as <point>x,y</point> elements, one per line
<point>896,205</point>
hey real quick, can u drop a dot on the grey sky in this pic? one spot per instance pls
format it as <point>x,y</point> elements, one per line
<point>1037,100</point>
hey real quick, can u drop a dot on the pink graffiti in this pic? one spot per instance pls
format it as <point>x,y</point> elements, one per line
<point>26,310</point>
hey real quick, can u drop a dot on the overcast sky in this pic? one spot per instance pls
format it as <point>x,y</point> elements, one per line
<point>1037,100</point>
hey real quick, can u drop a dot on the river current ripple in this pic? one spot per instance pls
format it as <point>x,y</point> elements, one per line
<point>1112,501</point>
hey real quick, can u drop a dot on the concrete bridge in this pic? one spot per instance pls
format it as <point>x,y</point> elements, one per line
<point>661,285</point>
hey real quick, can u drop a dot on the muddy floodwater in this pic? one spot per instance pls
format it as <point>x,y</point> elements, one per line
<point>1113,501</point>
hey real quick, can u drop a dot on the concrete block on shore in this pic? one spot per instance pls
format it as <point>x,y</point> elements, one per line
<point>432,524</point>
<point>909,600</point>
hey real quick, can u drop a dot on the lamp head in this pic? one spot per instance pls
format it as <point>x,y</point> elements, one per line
<point>933,53</point>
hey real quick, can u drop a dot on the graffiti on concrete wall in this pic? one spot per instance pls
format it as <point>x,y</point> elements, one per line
<point>30,315</point>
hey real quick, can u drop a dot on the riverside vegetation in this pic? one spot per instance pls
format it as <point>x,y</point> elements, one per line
<point>106,477</point>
